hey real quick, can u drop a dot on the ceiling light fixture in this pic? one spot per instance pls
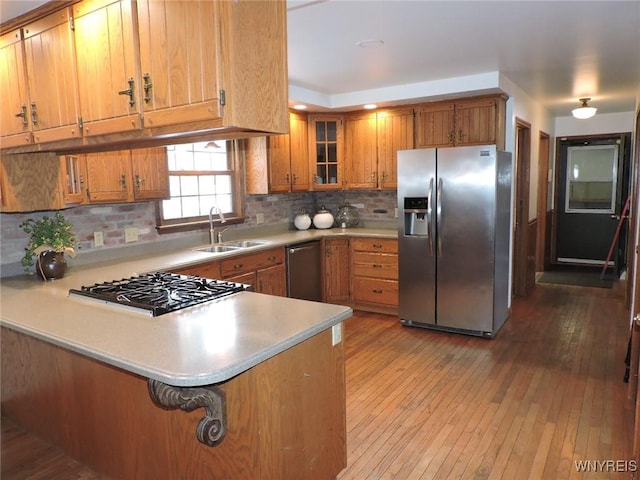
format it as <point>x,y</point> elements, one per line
<point>369,43</point>
<point>299,106</point>
<point>370,106</point>
<point>584,111</point>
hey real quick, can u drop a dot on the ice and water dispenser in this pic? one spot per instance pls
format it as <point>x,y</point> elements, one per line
<point>416,218</point>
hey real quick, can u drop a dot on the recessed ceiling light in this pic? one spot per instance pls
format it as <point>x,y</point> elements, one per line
<point>299,107</point>
<point>370,106</point>
<point>369,43</point>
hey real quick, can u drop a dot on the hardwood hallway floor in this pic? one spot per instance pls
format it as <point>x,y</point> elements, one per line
<point>544,394</point>
<point>547,392</point>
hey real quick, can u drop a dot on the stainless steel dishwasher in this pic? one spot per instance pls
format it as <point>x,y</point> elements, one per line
<point>303,271</point>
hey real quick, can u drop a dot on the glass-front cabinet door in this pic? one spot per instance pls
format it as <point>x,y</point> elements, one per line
<point>325,149</point>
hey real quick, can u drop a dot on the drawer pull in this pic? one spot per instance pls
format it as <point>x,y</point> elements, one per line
<point>377,245</point>
<point>271,258</point>
<point>376,291</point>
<point>238,265</point>
<point>377,265</point>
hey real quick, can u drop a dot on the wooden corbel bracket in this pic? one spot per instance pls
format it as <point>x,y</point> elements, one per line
<point>212,427</point>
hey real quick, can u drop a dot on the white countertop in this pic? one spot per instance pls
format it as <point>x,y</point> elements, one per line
<point>200,345</point>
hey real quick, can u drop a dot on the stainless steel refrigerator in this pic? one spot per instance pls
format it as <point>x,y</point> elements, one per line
<point>454,212</point>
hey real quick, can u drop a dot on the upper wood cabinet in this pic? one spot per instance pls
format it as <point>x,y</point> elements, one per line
<point>15,120</point>
<point>72,180</point>
<point>211,64</point>
<point>35,188</point>
<point>372,141</point>
<point>123,71</point>
<point>279,163</point>
<point>51,74</point>
<point>326,144</point>
<point>129,175</point>
<point>108,84</point>
<point>150,173</point>
<point>179,48</point>
<point>476,121</point>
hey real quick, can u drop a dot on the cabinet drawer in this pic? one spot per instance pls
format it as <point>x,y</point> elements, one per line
<point>249,262</point>
<point>376,265</point>
<point>384,245</point>
<point>206,270</point>
<point>371,290</point>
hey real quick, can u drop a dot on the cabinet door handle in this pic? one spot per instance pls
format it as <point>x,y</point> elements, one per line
<point>23,115</point>
<point>147,87</point>
<point>451,136</point>
<point>34,113</point>
<point>129,92</point>
<point>460,135</point>
<point>286,178</point>
<point>123,182</point>
<point>139,182</point>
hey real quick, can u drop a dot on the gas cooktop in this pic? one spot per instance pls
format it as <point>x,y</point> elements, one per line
<point>159,292</point>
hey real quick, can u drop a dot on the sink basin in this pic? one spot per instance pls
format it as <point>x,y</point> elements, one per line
<point>231,246</point>
<point>245,243</point>
<point>217,249</point>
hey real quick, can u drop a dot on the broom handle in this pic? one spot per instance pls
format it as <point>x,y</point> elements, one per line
<point>615,237</point>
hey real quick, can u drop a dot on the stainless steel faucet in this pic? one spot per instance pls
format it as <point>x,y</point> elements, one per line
<point>212,233</point>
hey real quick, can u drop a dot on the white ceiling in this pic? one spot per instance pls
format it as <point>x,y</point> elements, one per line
<point>556,51</point>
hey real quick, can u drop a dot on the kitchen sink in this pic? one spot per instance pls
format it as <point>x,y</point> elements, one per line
<point>245,243</point>
<point>217,248</point>
<point>231,246</point>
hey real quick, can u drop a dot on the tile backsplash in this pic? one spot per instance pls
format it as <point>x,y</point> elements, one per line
<point>113,219</point>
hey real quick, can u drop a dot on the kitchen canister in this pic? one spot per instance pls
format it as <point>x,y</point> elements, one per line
<point>302,220</point>
<point>347,216</point>
<point>323,218</point>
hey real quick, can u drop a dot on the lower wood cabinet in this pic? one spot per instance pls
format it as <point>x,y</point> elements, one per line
<point>265,270</point>
<point>336,272</point>
<point>206,270</point>
<point>374,269</point>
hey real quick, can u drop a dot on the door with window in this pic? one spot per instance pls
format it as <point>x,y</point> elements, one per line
<point>592,190</point>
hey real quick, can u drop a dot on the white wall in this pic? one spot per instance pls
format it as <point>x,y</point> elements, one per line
<point>599,124</point>
<point>522,106</point>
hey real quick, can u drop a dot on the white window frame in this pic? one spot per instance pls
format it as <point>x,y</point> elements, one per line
<point>197,168</point>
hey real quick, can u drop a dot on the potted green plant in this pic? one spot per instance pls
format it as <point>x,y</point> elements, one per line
<point>50,238</point>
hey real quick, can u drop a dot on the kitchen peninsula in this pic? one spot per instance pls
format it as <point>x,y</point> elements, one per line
<point>87,376</point>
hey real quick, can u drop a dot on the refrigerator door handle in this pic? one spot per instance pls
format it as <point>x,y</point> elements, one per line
<point>429,216</point>
<point>439,225</point>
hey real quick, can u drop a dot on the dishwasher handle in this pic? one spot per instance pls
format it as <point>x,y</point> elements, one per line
<point>293,250</point>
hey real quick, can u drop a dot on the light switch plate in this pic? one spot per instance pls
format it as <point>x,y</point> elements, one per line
<point>259,218</point>
<point>336,334</point>
<point>131,234</point>
<point>98,239</point>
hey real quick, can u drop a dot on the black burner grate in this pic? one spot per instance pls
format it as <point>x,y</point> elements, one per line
<point>160,292</point>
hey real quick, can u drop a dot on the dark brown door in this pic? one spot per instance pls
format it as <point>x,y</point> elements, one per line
<point>523,268</point>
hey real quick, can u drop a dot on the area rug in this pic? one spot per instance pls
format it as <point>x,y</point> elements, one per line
<point>577,278</point>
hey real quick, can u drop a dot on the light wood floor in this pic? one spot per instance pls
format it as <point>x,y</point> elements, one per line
<point>547,392</point>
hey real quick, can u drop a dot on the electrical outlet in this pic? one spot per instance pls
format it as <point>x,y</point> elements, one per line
<point>259,218</point>
<point>336,334</point>
<point>98,239</point>
<point>130,234</point>
<point>395,214</point>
